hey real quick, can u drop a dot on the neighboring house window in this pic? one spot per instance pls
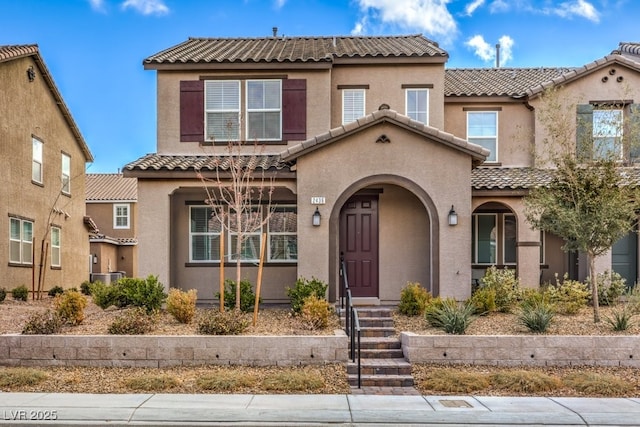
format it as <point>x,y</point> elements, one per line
<point>484,231</point>
<point>283,238</point>
<point>36,163</point>
<point>204,235</point>
<point>417,105</point>
<point>66,174</point>
<point>55,247</point>
<point>482,129</point>
<point>20,241</point>
<point>264,114</point>
<point>509,238</point>
<point>607,134</point>
<point>121,216</point>
<point>252,222</point>
<point>222,110</point>
<point>353,101</point>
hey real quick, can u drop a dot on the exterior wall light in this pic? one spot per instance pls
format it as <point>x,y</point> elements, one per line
<point>453,216</point>
<point>315,219</point>
<point>95,258</point>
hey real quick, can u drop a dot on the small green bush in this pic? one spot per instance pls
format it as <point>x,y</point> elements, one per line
<point>247,296</point>
<point>620,320</point>
<point>103,295</point>
<point>413,299</point>
<point>316,312</point>
<point>536,314</point>
<point>46,323</point>
<point>450,316</point>
<point>3,294</point>
<point>611,286</point>
<point>147,293</point>
<point>568,296</point>
<point>484,300</point>
<point>182,305</point>
<point>506,286</point>
<point>304,288</point>
<point>20,293</point>
<point>214,322</point>
<point>134,321</point>
<point>55,291</point>
<point>70,306</point>
<point>85,288</point>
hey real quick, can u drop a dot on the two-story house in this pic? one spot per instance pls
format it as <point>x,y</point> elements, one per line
<point>43,157</point>
<point>112,205</point>
<point>378,154</point>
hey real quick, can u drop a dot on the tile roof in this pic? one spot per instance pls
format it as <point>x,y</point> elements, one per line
<point>8,52</point>
<point>102,187</point>
<point>164,162</point>
<point>628,49</point>
<point>295,49</point>
<point>497,81</point>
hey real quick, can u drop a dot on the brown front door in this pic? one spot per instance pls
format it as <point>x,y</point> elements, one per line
<point>359,244</point>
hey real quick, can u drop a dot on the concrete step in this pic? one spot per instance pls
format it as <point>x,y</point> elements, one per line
<point>382,331</point>
<point>382,353</point>
<point>382,381</point>
<point>365,312</point>
<point>376,322</point>
<point>380,343</point>
<point>393,367</point>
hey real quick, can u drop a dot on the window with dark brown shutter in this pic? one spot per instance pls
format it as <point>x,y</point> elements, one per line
<point>192,111</point>
<point>294,109</point>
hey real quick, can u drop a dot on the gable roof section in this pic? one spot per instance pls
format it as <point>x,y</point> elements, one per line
<point>13,52</point>
<point>110,187</point>
<point>296,50</point>
<point>479,154</point>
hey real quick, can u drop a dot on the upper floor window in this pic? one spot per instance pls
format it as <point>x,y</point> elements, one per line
<point>482,129</point>
<point>283,238</point>
<point>20,241</point>
<point>55,247</point>
<point>66,174</point>
<point>417,104</point>
<point>222,109</point>
<point>264,118</point>
<point>121,216</point>
<point>600,131</point>
<point>353,104</point>
<point>36,162</point>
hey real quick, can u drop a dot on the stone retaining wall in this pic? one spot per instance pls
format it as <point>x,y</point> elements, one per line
<point>163,351</point>
<point>519,350</point>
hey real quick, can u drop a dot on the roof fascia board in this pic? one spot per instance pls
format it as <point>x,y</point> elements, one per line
<point>181,66</point>
<point>481,99</point>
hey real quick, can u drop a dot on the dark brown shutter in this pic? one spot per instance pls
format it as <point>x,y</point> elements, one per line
<point>294,109</point>
<point>634,125</point>
<point>192,111</point>
<point>584,131</point>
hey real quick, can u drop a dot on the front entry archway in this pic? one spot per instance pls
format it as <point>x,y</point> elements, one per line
<point>359,244</point>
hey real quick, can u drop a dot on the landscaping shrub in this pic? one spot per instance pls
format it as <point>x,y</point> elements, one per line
<point>450,316</point>
<point>182,305</point>
<point>506,286</point>
<point>85,288</point>
<point>304,288</point>
<point>3,294</point>
<point>20,377</point>
<point>620,320</point>
<point>20,293</point>
<point>413,299</point>
<point>536,314</point>
<point>484,300</point>
<point>611,286</point>
<point>150,382</point>
<point>316,312</point>
<point>598,384</point>
<point>55,291</point>
<point>226,381</point>
<point>632,298</point>
<point>521,381</point>
<point>70,306</point>
<point>214,322</point>
<point>46,323</point>
<point>568,296</point>
<point>103,295</point>
<point>147,293</point>
<point>452,380</point>
<point>247,296</point>
<point>134,321</point>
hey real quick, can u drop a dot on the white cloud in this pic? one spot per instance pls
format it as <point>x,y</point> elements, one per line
<point>426,16</point>
<point>280,3</point>
<point>581,8</point>
<point>97,5</point>
<point>471,7</point>
<point>498,6</point>
<point>147,7</point>
<point>487,52</point>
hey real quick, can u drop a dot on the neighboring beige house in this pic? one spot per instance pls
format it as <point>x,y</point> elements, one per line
<point>43,157</point>
<point>112,206</point>
<point>417,171</point>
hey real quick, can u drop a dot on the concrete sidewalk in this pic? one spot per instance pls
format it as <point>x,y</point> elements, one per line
<point>282,410</point>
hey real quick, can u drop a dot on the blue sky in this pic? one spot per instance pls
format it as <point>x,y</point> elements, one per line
<point>94,48</point>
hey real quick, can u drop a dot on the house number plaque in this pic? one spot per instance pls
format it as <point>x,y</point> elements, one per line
<point>317,201</point>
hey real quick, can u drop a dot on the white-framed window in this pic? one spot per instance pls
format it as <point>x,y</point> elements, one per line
<point>204,235</point>
<point>283,234</point>
<point>353,104</point>
<point>251,221</point>
<point>55,247</point>
<point>121,216</point>
<point>417,104</point>
<point>264,110</point>
<point>20,241</point>
<point>36,162</point>
<point>484,242</point>
<point>66,174</point>
<point>607,133</point>
<point>222,110</point>
<point>482,129</point>
<point>509,239</point>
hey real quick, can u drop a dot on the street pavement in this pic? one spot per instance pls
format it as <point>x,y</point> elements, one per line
<point>55,409</point>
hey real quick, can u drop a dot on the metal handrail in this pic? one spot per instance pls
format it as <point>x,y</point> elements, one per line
<point>352,321</point>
